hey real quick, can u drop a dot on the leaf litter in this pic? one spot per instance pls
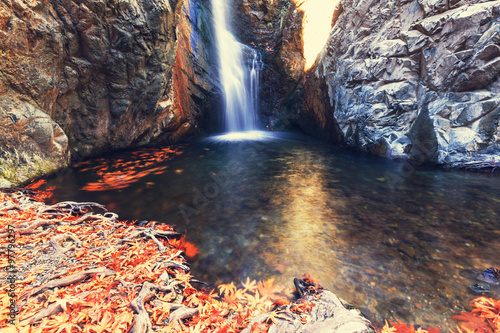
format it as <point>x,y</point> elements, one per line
<point>79,269</point>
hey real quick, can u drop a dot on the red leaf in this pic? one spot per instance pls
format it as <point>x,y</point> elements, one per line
<point>475,324</point>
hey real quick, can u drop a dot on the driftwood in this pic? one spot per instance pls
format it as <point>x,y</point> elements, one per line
<point>57,307</point>
<point>8,206</point>
<point>110,217</point>
<point>70,208</point>
<point>59,209</point>
<point>328,314</point>
<point>183,312</point>
<point>152,234</point>
<point>52,310</point>
<point>29,227</point>
<point>142,323</point>
<point>66,281</point>
<point>57,241</point>
<point>58,275</point>
<point>172,263</point>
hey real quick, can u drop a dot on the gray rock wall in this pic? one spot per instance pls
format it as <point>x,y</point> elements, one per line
<point>415,79</point>
<point>103,74</point>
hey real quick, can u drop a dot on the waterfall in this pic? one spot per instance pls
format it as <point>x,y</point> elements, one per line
<point>240,68</point>
<point>255,65</point>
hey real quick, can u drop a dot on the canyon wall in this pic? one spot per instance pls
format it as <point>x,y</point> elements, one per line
<point>83,77</point>
<point>414,79</point>
<point>409,79</point>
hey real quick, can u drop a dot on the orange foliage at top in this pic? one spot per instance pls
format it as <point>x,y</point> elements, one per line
<point>263,46</point>
<point>118,174</point>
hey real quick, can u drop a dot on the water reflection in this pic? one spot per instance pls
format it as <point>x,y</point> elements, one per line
<point>114,174</point>
<point>309,217</point>
<point>286,207</point>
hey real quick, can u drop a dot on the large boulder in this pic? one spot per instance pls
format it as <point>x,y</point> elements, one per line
<point>324,312</point>
<point>32,143</point>
<point>107,72</point>
<point>410,79</point>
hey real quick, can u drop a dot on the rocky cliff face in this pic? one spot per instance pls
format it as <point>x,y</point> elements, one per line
<point>410,79</point>
<point>84,77</point>
<point>414,79</point>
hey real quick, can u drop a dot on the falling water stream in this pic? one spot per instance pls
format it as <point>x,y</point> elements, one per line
<point>255,65</point>
<point>240,68</point>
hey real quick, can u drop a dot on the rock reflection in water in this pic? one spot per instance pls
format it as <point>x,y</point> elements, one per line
<point>286,207</point>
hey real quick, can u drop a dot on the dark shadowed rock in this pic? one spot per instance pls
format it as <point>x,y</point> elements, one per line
<point>111,74</point>
<point>424,144</point>
<point>480,288</point>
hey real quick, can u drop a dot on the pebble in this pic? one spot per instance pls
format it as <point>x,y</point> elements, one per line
<point>480,288</point>
<point>407,249</point>
<point>251,204</point>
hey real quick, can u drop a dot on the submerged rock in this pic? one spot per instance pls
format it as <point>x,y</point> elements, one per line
<point>480,288</point>
<point>491,275</point>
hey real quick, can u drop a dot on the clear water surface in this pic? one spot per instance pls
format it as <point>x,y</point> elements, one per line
<point>398,243</point>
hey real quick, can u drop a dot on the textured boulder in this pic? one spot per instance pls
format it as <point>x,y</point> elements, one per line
<point>32,143</point>
<point>408,79</point>
<point>328,314</point>
<point>105,72</point>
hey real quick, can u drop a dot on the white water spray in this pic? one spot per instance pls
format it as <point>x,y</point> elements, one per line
<point>239,77</point>
<point>255,65</point>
